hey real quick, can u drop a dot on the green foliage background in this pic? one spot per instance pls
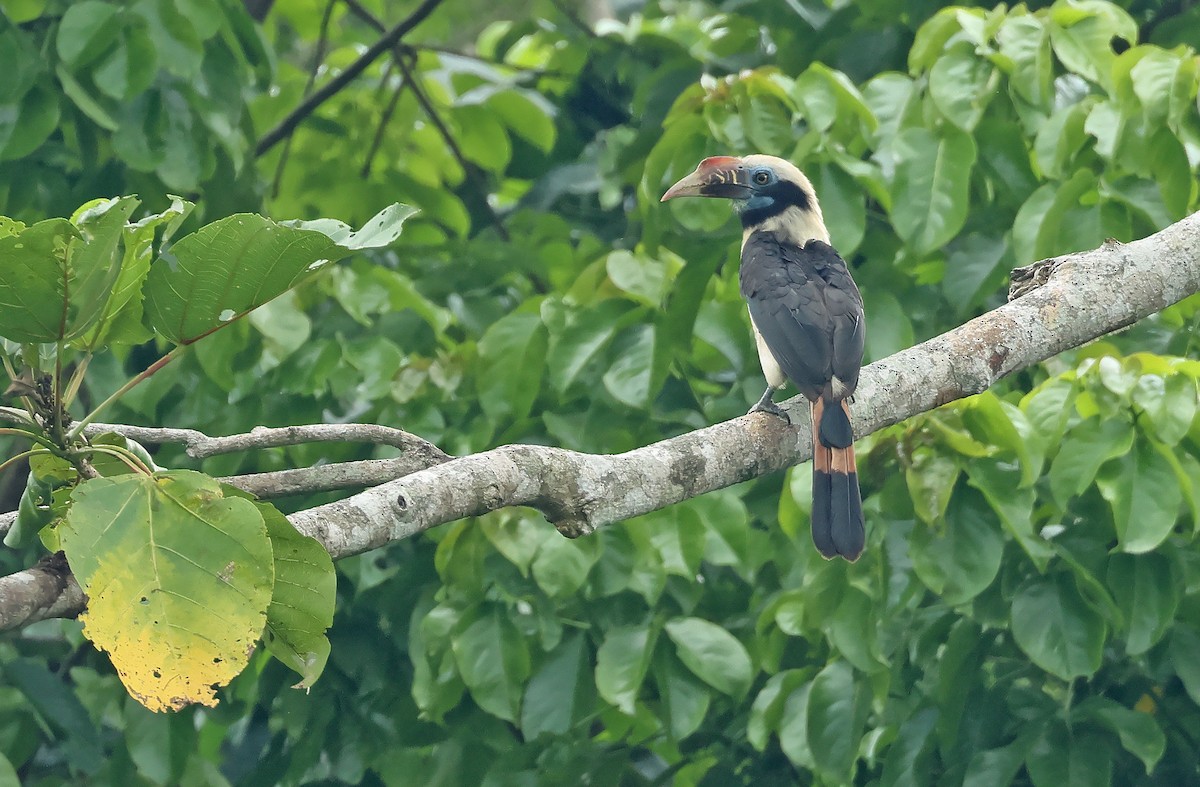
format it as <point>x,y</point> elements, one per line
<point>1028,610</point>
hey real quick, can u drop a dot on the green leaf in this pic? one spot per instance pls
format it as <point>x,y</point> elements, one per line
<point>685,700</point>
<point>1088,445</point>
<point>929,193</point>
<point>511,364</point>
<point>1000,484</point>
<point>1185,644</point>
<point>528,114</point>
<point>646,279</point>
<point>1144,494</point>
<point>8,775</point>
<point>178,579</point>
<point>561,693</point>
<point>96,264</point>
<point>958,668</point>
<point>381,230</point>
<point>959,86</point>
<point>1056,628</point>
<point>87,30</point>
<point>26,124</point>
<point>227,268</point>
<point>997,766</point>
<point>1025,41</point>
<point>1147,589</point>
<point>793,727</point>
<point>59,708</point>
<point>843,205</point>
<point>1170,403</point>
<point>1139,733</point>
<point>562,564</point>
<point>930,476</point>
<point>961,558</point>
<point>621,664</point>
<point>34,274</point>
<point>907,762</point>
<point>853,630</point>
<point>1081,33</point>
<point>713,654</point>
<point>1060,138</point>
<point>766,712</point>
<point>493,660</point>
<point>120,317</point>
<point>628,379</point>
<point>587,332</point>
<point>302,599</point>
<point>231,266</point>
<point>1066,758</point>
<point>837,711</point>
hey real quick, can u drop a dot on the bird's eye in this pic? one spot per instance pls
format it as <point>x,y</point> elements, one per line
<point>762,177</point>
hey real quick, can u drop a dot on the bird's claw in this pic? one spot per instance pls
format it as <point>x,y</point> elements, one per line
<point>770,408</point>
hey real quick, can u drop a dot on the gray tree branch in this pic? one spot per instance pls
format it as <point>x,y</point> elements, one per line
<point>1087,295</point>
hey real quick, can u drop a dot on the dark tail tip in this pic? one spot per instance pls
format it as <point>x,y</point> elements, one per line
<point>835,430</point>
<point>837,517</point>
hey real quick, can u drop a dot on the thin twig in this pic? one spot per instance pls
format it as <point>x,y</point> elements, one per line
<point>384,120</point>
<point>470,171</point>
<point>334,85</point>
<point>401,56</point>
<point>332,477</point>
<point>200,445</point>
<point>318,58</point>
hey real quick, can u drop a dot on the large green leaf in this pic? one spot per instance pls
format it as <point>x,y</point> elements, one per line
<point>837,711</point>
<point>959,86</point>
<point>929,193</point>
<point>1056,628</point>
<point>767,711</point>
<point>685,700</point>
<point>561,692</point>
<point>511,364</point>
<point>178,579</point>
<point>1139,733</point>
<point>961,557</point>
<point>493,660</point>
<point>621,664</point>
<point>1085,449</point>
<point>1064,758</point>
<point>302,598</point>
<point>120,317</point>
<point>238,263</point>
<point>34,269</point>
<point>713,654</point>
<point>1143,491</point>
<point>1147,589</point>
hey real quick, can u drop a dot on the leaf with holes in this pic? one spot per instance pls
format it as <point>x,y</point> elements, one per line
<point>237,264</point>
<point>178,579</point>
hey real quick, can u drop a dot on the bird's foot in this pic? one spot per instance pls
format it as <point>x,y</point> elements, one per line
<point>766,405</point>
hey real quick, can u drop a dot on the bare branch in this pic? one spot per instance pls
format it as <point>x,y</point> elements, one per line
<point>201,446</point>
<point>1087,296</point>
<point>331,88</point>
<point>45,591</point>
<point>401,57</point>
<point>326,478</point>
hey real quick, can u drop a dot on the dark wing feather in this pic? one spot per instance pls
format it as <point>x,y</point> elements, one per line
<point>807,309</point>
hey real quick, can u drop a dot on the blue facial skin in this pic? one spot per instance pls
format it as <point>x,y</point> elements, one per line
<point>759,201</point>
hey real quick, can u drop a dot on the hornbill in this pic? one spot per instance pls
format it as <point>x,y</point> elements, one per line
<point>808,324</point>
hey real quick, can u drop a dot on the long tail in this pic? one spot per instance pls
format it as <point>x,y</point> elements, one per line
<point>837,517</point>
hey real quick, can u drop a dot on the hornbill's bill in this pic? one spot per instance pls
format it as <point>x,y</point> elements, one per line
<point>808,322</point>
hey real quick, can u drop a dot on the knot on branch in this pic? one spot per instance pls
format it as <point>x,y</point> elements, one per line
<point>1028,278</point>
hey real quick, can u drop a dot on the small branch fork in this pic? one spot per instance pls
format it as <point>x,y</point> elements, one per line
<point>1086,296</point>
